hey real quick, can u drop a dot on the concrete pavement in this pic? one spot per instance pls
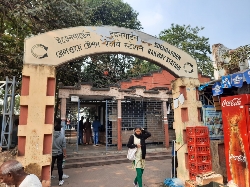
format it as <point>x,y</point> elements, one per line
<point>116,175</point>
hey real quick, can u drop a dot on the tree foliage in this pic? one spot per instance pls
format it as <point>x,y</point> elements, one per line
<point>20,19</point>
<point>114,13</point>
<point>142,67</point>
<point>240,54</point>
<point>187,39</point>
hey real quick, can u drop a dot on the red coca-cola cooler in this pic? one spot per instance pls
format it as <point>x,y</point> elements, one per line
<point>236,121</point>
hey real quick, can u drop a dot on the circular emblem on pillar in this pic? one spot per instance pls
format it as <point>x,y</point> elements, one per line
<point>188,67</point>
<point>39,51</point>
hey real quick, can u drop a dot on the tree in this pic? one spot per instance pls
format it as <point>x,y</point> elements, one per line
<point>240,54</point>
<point>113,13</point>
<point>20,19</point>
<point>187,39</point>
<point>142,67</point>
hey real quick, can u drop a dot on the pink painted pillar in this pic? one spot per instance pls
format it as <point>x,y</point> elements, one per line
<point>119,125</point>
<point>165,122</point>
<point>36,120</point>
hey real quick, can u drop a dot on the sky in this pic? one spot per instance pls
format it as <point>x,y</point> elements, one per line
<point>224,21</point>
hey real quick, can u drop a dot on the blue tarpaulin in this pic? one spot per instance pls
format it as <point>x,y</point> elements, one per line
<point>173,182</point>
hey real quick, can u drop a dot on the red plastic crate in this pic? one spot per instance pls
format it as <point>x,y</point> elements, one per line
<point>192,176</point>
<point>196,158</point>
<point>201,131</point>
<point>190,131</point>
<point>198,149</point>
<point>192,158</point>
<point>202,140</point>
<point>200,167</point>
<point>202,149</point>
<point>192,140</point>
<point>197,131</point>
<point>191,149</point>
<point>203,158</point>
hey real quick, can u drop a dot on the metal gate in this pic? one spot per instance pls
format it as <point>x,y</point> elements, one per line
<point>146,113</point>
<point>111,124</point>
<point>8,113</point>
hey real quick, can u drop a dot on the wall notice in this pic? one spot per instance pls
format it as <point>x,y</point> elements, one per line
<point>213,120</point>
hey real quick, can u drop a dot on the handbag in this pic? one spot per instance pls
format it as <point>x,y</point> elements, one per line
<point>131,153</point>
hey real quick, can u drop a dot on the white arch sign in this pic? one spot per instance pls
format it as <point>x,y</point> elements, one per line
<point>60,46</point>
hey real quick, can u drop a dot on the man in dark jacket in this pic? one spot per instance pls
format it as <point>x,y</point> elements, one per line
<point>96,125</point>
<point>58,151</point>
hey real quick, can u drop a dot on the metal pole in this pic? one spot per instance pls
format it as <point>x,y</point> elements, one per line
<point>106,125</point>
<point>174,158</point>
<point>78,124</point>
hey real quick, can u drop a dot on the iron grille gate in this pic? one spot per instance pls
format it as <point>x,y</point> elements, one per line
<point>111,124</point>
<point>8,113</point>
<point>146,113</point>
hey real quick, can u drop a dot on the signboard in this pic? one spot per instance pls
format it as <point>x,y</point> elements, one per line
<point>213,120</point>
<point>60,46</point>
<point>74,98</point>
<point>112,117</point>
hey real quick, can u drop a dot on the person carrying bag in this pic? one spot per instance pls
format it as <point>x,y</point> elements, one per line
<point>137,140</point>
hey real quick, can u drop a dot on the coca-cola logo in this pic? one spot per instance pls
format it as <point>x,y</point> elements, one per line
<point>233,102</point>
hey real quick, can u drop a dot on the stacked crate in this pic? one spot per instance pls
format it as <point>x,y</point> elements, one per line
<point>199,156</point>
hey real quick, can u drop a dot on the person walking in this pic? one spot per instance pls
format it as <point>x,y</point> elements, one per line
<point>96,125</point>
<point>138,140</point>
<point>58,151</point>
<point>12,173</point>
<point>87,131</point>
<point>80,135</point>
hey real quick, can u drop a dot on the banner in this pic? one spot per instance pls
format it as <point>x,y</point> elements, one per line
<point>213,120</point>
<point>226,81</point>
<point>237,80</point>
<point>217,89</point>
<point>247,76</point>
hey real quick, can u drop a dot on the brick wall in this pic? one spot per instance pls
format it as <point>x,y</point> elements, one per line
<point>158,79</point>
<point>203,79</point>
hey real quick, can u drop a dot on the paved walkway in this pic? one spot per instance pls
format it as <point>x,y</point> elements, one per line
<point>116,175</point>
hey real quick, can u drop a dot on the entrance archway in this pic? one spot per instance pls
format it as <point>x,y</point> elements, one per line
<point>46,51</point>
<point>56,47</point>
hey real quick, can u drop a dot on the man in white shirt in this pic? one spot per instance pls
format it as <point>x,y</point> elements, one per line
<point>12,173</point>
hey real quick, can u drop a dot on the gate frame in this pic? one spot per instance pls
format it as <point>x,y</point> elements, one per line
<point>45,51</point>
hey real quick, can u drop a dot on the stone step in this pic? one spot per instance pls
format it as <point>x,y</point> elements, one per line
<point>75,158</point>
<point>110,161</point>
<point>78,160</point>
